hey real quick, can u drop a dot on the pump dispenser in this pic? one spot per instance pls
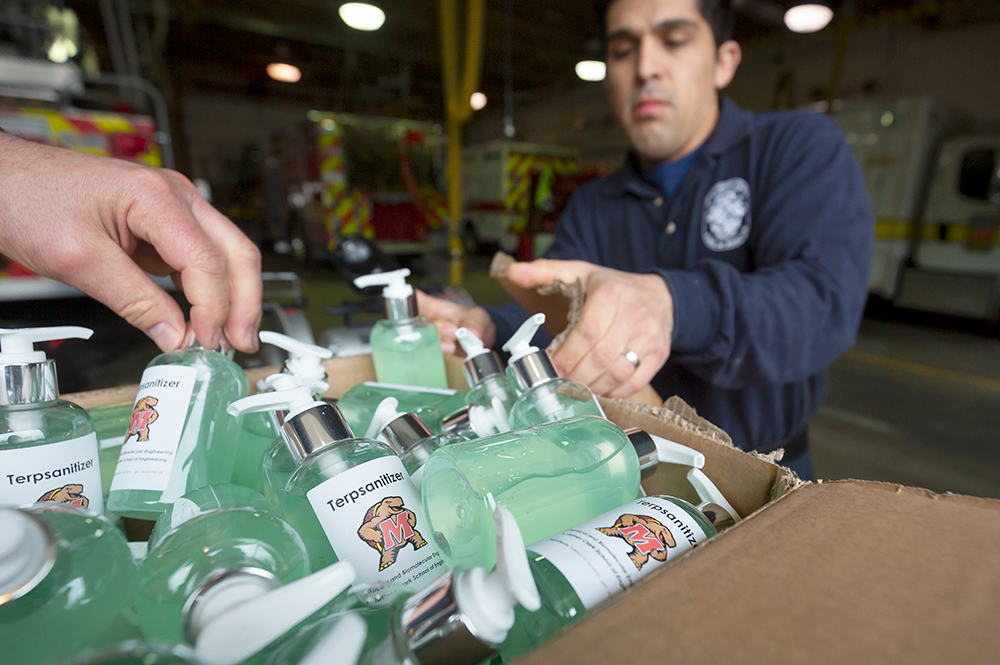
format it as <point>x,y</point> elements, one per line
<point>491,390</point>
<point>259,431</point>
<point>544,396</point>
<point>65,576</point>
<point>579,568</point>
<point>251,551</point>
<point>576,468</point>
<point>405,345</point>
<point>409,436</point>
<point>358,404</point>
<point>180,437</point>
<point>48,447</point>
<point>350,499</point>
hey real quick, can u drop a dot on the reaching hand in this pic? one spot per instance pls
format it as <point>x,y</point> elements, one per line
<point>100,224</point>
<point>621,312</point>
<point>449,317</point>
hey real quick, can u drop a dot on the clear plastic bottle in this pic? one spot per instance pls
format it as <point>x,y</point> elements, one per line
<point>259,431</point>
<point>358,404</point>
<point>551,477</point>
<point>48,447</point>
<point>216,546</point>
<point>349,499</point>
<point>135,652</point>
<point>110,423</point>
<point>65,575</point>
<point>180,437</point>
<point>491,395</point>
<point>545,397</point>
<point>579,568</point>
<point>406,348</point>
<point>410,437</point>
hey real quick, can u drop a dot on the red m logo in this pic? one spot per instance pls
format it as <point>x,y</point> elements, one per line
<point>640,537</point>
<point>140,421</point>
<point>396,530</point>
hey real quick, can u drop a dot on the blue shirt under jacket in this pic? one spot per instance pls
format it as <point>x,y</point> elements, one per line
<point>766,247</point>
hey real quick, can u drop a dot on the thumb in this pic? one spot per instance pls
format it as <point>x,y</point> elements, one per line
<point>438,309</point>
<point>545,272</point>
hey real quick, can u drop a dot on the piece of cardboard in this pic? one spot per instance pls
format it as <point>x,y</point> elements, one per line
<point>840,572</point>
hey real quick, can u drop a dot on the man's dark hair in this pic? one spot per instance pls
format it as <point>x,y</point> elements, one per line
<point>718,13</point>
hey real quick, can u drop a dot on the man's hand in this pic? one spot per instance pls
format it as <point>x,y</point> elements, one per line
<point>449,317</point>
<point>100,224</point>
<point>621,312</point>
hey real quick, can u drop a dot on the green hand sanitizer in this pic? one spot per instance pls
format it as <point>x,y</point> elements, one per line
<point>458,619</point>
<point>350,499</point>
<point>48,447</point>
<point>213,548</point>
<point>579,568</point>
<point>180,437</point>
<point>110,423</point>
<point>405,345</point>
<point>259,431</point>
<point>410,437</point>
<point>551,477</point>
<point>65,575</point>
<point>491,396</point>
<point>358,404</point>
<point>135,652</point>
<point>544,396</point>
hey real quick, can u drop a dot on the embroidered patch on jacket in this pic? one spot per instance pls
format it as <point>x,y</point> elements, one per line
<point>725,220</point>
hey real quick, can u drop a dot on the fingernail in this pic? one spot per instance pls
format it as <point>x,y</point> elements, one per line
<point>165,335</point>
<point>252,338</point>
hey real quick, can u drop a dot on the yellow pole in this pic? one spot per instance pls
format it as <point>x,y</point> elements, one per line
<point>457,110</point>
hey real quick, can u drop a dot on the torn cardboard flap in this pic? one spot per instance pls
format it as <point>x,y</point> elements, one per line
<point>562,305</point>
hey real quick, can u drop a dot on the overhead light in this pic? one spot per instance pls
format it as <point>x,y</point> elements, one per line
<point>282,71</point>
<point>808,18</point>
<point>477,101</point>
<point>362,16</point>
<point>591,70</point>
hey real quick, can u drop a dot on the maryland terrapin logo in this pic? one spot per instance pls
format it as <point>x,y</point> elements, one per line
<point>649,539</point>
<point>388,528</point>
<point>143,415</point>
<point>71,494</point>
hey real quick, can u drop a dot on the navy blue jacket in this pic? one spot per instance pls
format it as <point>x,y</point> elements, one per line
<point>766,247</point>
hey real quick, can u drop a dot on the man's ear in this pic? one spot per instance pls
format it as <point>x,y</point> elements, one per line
<point>727,60</point>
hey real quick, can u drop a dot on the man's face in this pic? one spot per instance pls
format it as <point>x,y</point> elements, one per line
<point>662,76</point>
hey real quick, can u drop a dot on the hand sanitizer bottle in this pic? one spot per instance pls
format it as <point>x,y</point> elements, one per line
<point>65,575</point>
<point>458,619</point>
<point>405,345</point>
<point>215,547</point>
<point>544,396</point>
<point>358,404</point>
<point>551,477</point>
<point>277,463</point>
<point>180,437</point>
<point>409,436</point>
<point>579,568</point>
<point>490,390</point>
<point>350,499</point>
<point>136,652</point>
<point>48,447</point>
<point>258,431</point>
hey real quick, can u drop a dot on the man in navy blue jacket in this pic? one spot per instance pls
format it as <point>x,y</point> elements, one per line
<point>726,261</point>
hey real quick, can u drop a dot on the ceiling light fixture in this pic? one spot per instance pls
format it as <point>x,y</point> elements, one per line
<point>282,71</point>
<point>591,70</point>
<point>362,16</point>
<point>477,101</point>
<point>806,18</point>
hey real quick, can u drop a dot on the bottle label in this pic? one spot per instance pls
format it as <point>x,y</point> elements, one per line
<point>154,433</point>
<point>371,515</point>
<point>412,389</point>
<point>63,472</point>
<point>608,554</point>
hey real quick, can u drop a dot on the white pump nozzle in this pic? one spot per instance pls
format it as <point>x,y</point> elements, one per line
<point>471,344</point>
<point>486,421</point>
<point>342,645</point>
<point>393,280</point>
<point>295,401</point>
<point>17,345</point>
<point>306,360</point>
<point>519,345</point>
<point>709,493</point>
<point>675,453</point>
<point>244,630</point>
<point>488,599</point>
<point>385,413</point>
<point>282,381</point>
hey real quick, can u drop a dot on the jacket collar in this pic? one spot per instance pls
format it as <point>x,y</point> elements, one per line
<point>732,128</point>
